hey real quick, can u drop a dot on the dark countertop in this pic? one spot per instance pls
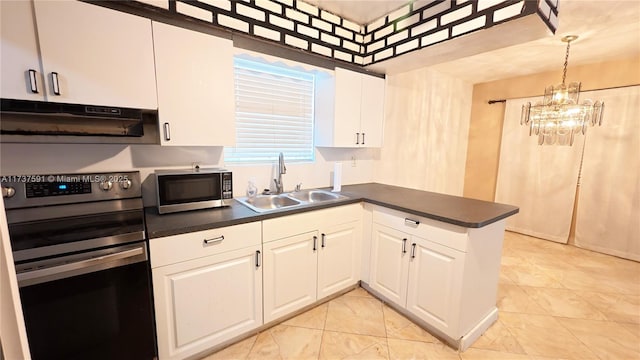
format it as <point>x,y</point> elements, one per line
<point>455,210</point>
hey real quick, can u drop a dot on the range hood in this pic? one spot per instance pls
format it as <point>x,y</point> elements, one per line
<point>27,121</point>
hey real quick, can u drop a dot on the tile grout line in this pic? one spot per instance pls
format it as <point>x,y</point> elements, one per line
<point>386,333</point>
<point>324,325</point>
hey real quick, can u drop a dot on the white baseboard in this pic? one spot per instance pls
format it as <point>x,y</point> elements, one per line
<point>473,335</point>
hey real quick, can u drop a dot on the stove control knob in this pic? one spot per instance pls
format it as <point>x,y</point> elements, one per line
<point>8,192</point>
<point>125,184</point>
<point>106,185</point>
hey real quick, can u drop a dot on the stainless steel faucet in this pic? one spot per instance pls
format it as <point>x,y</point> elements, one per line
<point>282,169</point>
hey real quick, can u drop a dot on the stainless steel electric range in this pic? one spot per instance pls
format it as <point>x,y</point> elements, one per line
<point>81,258</point>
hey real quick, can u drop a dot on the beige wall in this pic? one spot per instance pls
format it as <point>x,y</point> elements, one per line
<point>485,128</point>
<point>425,134</point>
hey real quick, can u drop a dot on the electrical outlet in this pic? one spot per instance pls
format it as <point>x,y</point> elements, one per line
<point>195,166</point>
<point>353,161</point>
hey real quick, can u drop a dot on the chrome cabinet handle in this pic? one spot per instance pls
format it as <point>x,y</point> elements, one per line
<point>323,236</point>
<point>362,138</point>
<point>413,250</point>
<point>167,131</point>
<point>410,222</point>
<point>258,257</point>
<point>315,243</point>
<point>214,240</point>
<point>404,245</point>
<point>55,83</point>
<point>33,81</point>
<point>357,138</point>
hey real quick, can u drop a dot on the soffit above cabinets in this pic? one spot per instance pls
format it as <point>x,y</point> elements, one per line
<point>494,39</point>
<point>359,11</point>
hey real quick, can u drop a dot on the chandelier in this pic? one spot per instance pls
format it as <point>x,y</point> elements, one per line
<point>559,116</point>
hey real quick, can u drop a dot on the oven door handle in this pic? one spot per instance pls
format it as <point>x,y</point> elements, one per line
<point>53,272</point>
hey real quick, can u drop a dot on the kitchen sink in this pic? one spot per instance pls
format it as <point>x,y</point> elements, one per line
<point>265,203</point>
<point>313,196</point>
<point>262,203</point>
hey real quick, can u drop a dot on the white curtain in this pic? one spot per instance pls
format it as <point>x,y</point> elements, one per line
<point>608,214</point>
<point>540,180</point>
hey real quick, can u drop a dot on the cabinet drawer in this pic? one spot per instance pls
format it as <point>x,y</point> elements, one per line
<point>292,225</point>
<point>449,235</point>
<point>183,247</point>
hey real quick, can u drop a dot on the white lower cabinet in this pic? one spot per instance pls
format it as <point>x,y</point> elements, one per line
<point>420,275</point>
<point>433,287</point>
<point>209,299</point>
<point>338,258</point>
<point>440,273</point>
<point>303,264</point>
<point>289,274</point>
<point>389,263</point>
<point>212,286</point>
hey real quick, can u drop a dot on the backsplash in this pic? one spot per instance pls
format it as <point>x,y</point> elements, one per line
<point>27,159</point>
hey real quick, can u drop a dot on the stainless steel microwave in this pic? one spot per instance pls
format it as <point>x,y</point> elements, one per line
<point>191,190</point>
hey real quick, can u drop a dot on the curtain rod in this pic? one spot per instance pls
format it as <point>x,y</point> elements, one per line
<point>493,101</point>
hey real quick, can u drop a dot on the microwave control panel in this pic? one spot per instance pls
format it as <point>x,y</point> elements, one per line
<point>227,187</point>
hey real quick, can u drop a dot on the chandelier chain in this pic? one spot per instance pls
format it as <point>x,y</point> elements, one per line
<point>566,62</point>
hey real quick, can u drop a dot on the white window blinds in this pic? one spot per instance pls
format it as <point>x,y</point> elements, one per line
<point>274,113</point>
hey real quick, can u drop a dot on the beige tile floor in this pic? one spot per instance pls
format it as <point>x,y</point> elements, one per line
<point>555,302</point>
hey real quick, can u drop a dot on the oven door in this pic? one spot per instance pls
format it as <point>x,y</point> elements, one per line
<point>182,192</point>
<point>93,305</point>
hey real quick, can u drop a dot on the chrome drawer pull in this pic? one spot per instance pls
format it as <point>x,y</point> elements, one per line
<point>214,240</point>
<point>410,222</point>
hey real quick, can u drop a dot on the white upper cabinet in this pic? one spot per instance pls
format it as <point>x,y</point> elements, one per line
<point>358,111</point>
<point>194,74</point>
<point>20,67</point>
<point>372,111</point>
<point>88,55</point>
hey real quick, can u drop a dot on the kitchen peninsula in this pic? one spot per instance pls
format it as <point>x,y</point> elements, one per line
<point>433,257</point>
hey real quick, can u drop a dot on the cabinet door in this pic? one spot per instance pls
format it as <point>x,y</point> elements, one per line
<point>101,56</point>
<point>203,302</point>
<point>347,108</point>
<point>390,263</point>
<point>435,275</point>
<point>372,111</point>
<point>195,87</point>
<point>290,270</point>
<point>338,258</point>
<point>19,52</point>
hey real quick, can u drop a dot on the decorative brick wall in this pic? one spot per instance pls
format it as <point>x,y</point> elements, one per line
<point>417,25</point>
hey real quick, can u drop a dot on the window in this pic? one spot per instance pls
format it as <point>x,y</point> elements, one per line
<point>274,113</point>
